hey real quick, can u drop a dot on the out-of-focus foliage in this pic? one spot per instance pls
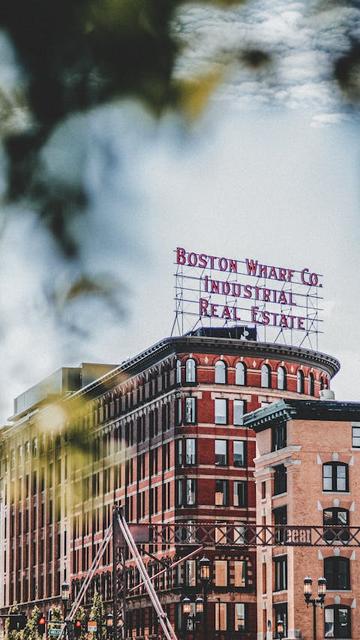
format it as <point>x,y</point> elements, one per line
<point>74,56</point>
<point>97,613</point>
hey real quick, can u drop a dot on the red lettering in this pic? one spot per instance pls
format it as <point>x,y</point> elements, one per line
<point>203,305</point>
<point>283,321</point>
<point>226,288</point>
<point>247,291</point>
<point>272,273</point>
<point>214,310</point>
<point>263,270</point>
<point>192,259</point>
<point>206,284</point>
<point>215,286</point>
<point>312,279</point>
<point>290,275</point>
<point>226,313</point>
<point>202,260</point>
<point>282,273</point>
<point>254,311</point>
<point>180,256</point>
<point>223,264</point>
<point>251,266</point>
<point>266,295</point>
<point>212,261</point>
<point>236,290</point>
<point>300,323</point>
<point>235,316</point>
<point>233,266</point>
<point>265,317</point>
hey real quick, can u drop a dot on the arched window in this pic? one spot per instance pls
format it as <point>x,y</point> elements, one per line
<point>240,373</point>
<point>281,378</point>
<point>190,370</point>
<point>335,476</point>
<point>337,621</point>
<point>220,372</point>
<point>336,524</point>
<point>178,371</point>
<point>300,381</point>
<point>337,573</point>
<point>311,384</point>
<point>265,376</point>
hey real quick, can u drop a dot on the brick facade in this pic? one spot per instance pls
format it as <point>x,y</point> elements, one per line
<point>123,438</point>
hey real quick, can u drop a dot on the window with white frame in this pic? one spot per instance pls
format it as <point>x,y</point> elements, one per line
<point>190,410</point>
<point>356,436</point>
<point>240,374</point>
<point>190,370</point>
<point>220,372</point>
<point>220,411</point>
<point>239,412</point>
<point>239,453</point>
<point>221,453</point>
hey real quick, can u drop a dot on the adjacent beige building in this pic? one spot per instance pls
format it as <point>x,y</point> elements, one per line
<point>307,471</point>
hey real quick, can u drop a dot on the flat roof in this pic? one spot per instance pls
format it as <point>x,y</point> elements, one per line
<point>284,410</point>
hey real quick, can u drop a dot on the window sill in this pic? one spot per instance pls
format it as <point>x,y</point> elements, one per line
<point>279,495</point>
<point>326,493</point>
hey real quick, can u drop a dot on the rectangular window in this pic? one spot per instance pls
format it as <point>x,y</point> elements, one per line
<point>240,616</point>
<point>238,412</point>
<point>190,451</point>
<point>179,411</point>
<point>280,480</point>
<point>239,453</point>
<point>221,573</point>
<point>240,493</point>
<point>220,616</point>
<point>221,457</point>
<point>280,519</point>
<point>179,493</point>
<point>278,437</point>
<point>240,573</point>
<point>190,573</point>
<point>280,573</point>
<point>356,436</point>
<point>190,494</point>
<point>221,493</point>
<point>190,410</point>
<point>220,411</point>
<point>335,477</point>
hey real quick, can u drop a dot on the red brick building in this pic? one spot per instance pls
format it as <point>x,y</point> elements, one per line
<point>162,434</point>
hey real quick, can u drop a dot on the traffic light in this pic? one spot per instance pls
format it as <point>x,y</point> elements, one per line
<point>77,628</point>
<point>17,621</point>
<point>41,624</point>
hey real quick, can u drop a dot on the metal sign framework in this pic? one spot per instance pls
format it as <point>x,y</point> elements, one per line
<point>201,289</point>
<point>132,541</point>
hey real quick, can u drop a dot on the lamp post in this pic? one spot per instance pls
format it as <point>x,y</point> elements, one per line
<point>319,601</point>
<point>65,597</point>
<point>204,570</point>
<point>109,625</point>
<point>187,611</point>
<point>280,629</point>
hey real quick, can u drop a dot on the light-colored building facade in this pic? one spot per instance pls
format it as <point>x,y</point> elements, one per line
<point>307,472</point>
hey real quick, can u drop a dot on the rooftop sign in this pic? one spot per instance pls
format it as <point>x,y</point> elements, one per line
<point>219,290</point>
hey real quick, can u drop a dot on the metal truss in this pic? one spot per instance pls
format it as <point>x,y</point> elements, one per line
<point>243,535</point>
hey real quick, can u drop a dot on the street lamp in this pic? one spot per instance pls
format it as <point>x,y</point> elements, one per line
<point>109,624</point>
<point>65,597</point>
<point>204,570</point>
<point>319,601</point>
<point>280,629</point>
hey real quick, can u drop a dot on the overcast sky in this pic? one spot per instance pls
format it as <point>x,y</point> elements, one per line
<point>270,171</point>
